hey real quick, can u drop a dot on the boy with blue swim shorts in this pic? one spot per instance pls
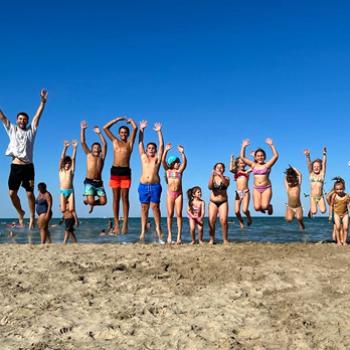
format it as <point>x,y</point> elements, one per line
<point>95,158</point>
<point>150,188</point>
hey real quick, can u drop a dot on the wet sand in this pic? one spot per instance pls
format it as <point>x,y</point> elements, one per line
<point>240,296</point>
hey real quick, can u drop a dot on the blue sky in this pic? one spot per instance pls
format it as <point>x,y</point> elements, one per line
<point>213,72</point>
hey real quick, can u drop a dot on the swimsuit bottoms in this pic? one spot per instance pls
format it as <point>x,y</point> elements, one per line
<point>21,175</point>
<point>120,177</point>
<point>241,194</point>
<point>69,225</point>
<point>94,188</point>
<point>149,193</point>
<point>261,188</point>
<point>218,204</point>
<point>41,206</point>
<point>174,194</point>
<point>66,192</point>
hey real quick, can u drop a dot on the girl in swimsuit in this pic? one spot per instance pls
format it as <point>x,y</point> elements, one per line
<point>292,184</point>
<point>218,184</point>
<point>317,171</point>
<point>174,169</point>
<point>262,192</point>
<point>339,211</point>
<point>43,209</point>
<point>195,212</point>
<point>66,175</point>
<point>242,198</point>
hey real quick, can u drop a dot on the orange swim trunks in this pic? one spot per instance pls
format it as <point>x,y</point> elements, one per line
<point>120,177</point>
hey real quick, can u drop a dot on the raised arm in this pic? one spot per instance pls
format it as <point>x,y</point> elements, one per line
<point>274,158</point>
<point>63,154</point>
<point>107,127</point>
<point>158,129</point>
<point>184,159</point>
<point>245,143</point>
<point>39,112</point>
<point>166,150</point>
<point>133,131</point>
<point>5,121</point>
<point>300,177</point>
<point>74,153</point>
<point>83,127</point>
<point>308,160</point>
<point>324,160</point>
<point>143,125</point>
<point>103,142</point>
<point>232,164</point>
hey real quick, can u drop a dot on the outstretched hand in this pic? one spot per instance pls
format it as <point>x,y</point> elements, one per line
<point>168,146</point>
<point>307,152</point>
<point>269,141</point>
<point>97,130</point>
<point>157,127</point>
<point>43,95</point>
<point>75,143</point>
<point>180,149</point>
<point>324,150</point>
<point>83,124</point>
<point>245,142</point>
<point>66,143</point>
<point>143,124</point>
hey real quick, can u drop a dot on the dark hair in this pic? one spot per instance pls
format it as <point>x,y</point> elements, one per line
<point>151,143</point>
<point>95,144</point>
<point>124,127</point>
<point>190,196</point>
<point>235,169</point>
<point>171,165</point>
<point>216,164</point>
<point>22,113</point>
<point>260,150</point>
<point>291,176</point>
<point>42,185</point>
<point>338,181</point>
<point>65,160</point>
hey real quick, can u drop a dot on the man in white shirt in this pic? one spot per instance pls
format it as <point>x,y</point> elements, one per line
<point>20,149</point>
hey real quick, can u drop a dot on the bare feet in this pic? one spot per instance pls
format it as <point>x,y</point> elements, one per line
<point>169,241</point>
<point>270,209</point>
<point>124,229</point>
<point>31,222</point>
<point>301,225</point>
<point>226,241</point>
<point>193,242</point>
<point>116,230</point>
<point>91,209</point>
<point>241,225</point>
<point>211,241</point>
<point>249,220</point>
<point>21,218</point>
<point>142,237</point>
<point>201,242</point>
<point>179,241</point>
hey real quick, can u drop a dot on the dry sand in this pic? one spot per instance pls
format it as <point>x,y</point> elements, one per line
<point>241,296</point>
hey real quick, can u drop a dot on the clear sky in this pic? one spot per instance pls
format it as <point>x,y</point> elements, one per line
<point>213,72</point>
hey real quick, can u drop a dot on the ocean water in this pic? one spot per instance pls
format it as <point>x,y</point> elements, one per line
<point>269,229</point>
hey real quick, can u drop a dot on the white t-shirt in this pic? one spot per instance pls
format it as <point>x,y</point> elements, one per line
<point>21,142</point>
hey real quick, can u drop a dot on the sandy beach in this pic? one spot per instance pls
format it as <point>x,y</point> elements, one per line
<point>240,296</point>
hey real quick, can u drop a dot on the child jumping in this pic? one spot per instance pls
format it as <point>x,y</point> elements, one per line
<point>242,197</point>
<point>174,169</point>
<point>317,171</point>
<point>195,212</point>
<point>66,175</point>
<point>261,169</point>
<point>292,184</point>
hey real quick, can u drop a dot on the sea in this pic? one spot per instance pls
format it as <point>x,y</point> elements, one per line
<point>95,230</point>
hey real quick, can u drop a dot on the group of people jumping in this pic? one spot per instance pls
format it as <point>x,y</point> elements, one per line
<point>154,156</point>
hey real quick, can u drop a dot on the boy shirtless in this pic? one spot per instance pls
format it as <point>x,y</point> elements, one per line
<point>150,188</point>
<point>120,180</point>
<point>66,174</point>
<point>94,164</point>
<point>292,183</point>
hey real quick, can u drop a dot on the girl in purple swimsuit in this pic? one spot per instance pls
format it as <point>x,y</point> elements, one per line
<point>262,192</point>
<point>174,169</point>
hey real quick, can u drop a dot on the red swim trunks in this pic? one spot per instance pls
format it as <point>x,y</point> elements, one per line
<point>120,177</point>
